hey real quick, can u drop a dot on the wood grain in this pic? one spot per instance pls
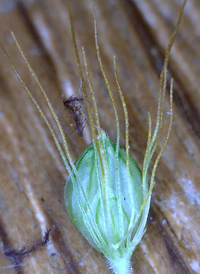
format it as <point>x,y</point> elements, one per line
<point>32,175</point>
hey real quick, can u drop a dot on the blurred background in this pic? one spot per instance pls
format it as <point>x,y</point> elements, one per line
<point>32,175</point>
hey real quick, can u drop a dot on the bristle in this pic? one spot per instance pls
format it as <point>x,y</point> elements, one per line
<point>39,109</point>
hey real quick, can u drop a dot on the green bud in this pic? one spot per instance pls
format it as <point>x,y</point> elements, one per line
<point>107,218</point>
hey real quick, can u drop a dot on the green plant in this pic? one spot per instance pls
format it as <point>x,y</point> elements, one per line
<point>107,196</point>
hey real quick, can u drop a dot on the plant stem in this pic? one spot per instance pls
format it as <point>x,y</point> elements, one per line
<point>120,265</point>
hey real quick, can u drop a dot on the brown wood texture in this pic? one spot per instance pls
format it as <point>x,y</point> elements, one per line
<point>32,175</point>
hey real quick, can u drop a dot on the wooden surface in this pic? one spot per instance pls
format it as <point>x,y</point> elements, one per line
<point>32,175</point>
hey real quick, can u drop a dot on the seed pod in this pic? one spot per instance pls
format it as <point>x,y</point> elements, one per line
<point>105,215</point>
